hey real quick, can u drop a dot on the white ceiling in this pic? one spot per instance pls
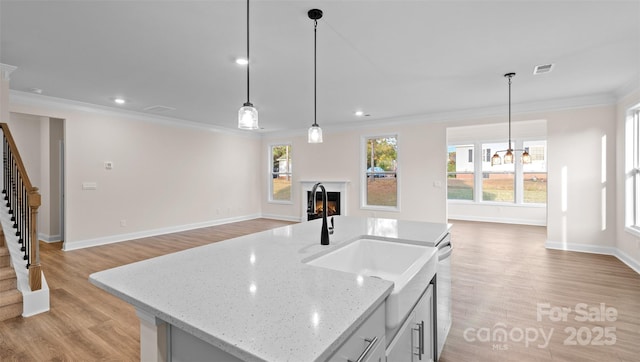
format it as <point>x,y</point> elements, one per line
<point>391,59</point>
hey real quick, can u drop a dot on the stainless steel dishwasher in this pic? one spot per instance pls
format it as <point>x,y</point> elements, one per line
<point>443,291</point>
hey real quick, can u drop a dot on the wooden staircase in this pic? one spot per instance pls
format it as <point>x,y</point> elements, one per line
<point>10,296</point>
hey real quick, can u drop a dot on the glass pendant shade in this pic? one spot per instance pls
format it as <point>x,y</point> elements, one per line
<point>508,157</point>
<point>496,160</point>
<point>526,157</point>
<point>248,117</point>
<point>315,134</point>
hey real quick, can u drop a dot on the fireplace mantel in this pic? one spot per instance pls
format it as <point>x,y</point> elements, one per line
<point>330,186</point>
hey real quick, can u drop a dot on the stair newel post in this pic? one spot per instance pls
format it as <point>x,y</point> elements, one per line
<point>35,278</point>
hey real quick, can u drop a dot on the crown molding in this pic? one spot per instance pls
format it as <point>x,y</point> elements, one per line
<point>463,115</point>
<point>30,99</point>
<point>38,100</point>
<point>625,90</point>
<point>6,70</point>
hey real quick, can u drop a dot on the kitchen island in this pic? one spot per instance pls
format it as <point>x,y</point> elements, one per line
<point>254,298</point>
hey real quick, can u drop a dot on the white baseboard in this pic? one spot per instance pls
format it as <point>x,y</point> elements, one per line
<point>625,258</point>
<point>81,244</point>
<point>281,217</point>
<point>596,249</point>
<point>49,238</point>
<point>500,220</point>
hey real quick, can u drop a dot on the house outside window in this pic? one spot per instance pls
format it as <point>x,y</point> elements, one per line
<point>280,173</point>
<point>380,172</point>
<point>460,175</point>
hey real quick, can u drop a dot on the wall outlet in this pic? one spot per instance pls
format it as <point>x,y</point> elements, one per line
<point>108,165</point>
<point>89,186</point>
<point>123,223</point>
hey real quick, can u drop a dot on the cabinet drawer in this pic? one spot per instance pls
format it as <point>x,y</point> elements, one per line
<point>372,329</point>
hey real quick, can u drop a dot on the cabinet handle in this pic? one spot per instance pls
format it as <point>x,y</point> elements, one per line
<point>420,347</point>
<point>364,353</point>
<point>421,344</point>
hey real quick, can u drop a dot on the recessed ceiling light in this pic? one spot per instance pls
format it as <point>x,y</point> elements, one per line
<point>120,101</point>
<point>359,113</point>
<point>242,61</point>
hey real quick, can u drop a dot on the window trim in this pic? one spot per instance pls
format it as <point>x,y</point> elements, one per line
<point>632,171</point>
<point>363,173</point>
<point>270,174</point>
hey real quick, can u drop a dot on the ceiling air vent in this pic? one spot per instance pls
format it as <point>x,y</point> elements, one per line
<point>159,109</point>
<point>541,69</point>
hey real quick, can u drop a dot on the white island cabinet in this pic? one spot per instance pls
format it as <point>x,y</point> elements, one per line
<point>255,299</point>
<point>366,344</point>
<point>414,341</point>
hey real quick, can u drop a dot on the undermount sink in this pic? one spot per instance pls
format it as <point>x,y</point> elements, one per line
<point>410,268</point>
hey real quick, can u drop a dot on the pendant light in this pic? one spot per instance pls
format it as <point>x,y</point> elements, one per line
<point>248,114</point>
<point>508,156</point>
<point>315,132</point>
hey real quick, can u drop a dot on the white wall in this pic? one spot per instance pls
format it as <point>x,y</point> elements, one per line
<point>56,135</point>
<point>581,206</point>
<point>5,79</point>
<point>628,244</point>
<point>422,155</point>
<point>30,134</point>
<point>37,140</point>
<point>165,177</point>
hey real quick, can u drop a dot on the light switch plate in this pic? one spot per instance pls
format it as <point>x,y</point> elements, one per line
<point>108,165</point>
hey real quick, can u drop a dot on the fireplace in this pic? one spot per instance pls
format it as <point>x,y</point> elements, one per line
<point>333,204</point>
<point>335,190</point>
<point>336,194</point>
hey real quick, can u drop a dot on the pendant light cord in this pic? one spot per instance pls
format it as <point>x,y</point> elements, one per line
<point>315,85</point>
<point>510,112</point>
<point>248,62</point>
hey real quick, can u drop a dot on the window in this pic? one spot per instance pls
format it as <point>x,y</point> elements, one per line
<point>460,175</point>
<point>380,172</point>
<point>632,170</point>
<point>534,174</point>
<point>497,181</point>
<point>280,173</point>
<point>476,180</point>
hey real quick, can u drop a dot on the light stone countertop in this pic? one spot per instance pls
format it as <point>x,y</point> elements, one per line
<point>254,297</point>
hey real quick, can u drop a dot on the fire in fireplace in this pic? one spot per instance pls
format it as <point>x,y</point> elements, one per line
<point>333,204</point>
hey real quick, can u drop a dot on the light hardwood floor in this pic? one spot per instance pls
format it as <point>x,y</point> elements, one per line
<point>503,274</point>
<point>500,275</point>
<point>86,323</point>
